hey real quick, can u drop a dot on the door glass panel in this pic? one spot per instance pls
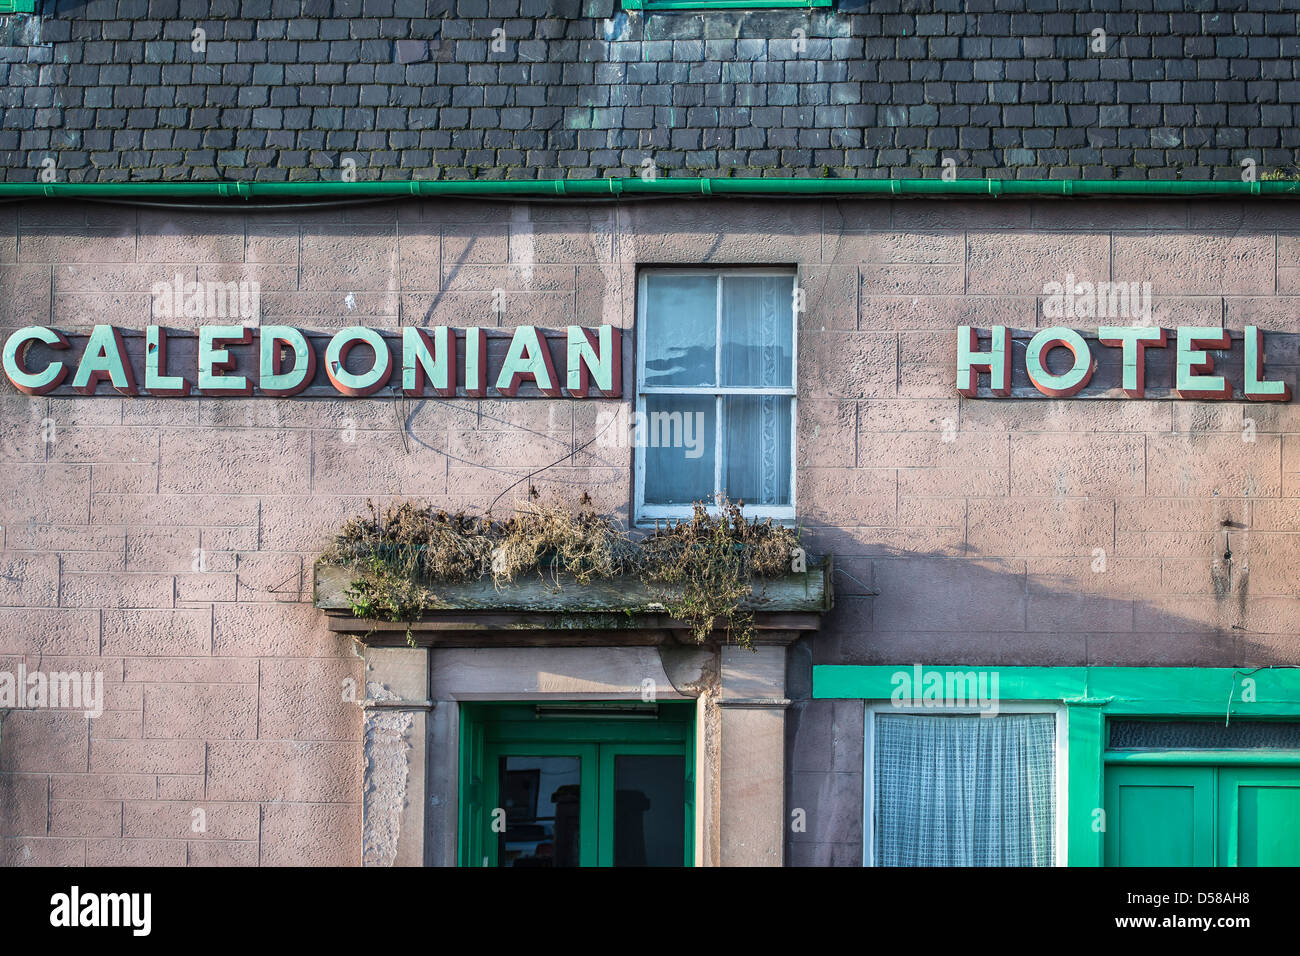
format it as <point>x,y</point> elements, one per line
<point>649,810</point>
<point>540,797</point>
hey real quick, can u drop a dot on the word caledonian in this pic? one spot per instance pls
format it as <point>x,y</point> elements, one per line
<point>281,361</point>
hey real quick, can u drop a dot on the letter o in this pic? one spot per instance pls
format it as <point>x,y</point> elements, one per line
<point>1067,383</point>
<point>354,383</point>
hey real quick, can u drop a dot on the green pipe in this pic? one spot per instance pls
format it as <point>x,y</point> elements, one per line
<point>634,187</point>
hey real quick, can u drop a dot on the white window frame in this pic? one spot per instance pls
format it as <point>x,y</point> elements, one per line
<point>1005,708</point>
<point>649,514</point>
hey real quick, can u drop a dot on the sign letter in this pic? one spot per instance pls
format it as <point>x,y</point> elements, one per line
<point>15,360</point>
<point>595,358</point>
<point>1256,388</point>
<point>995,360</point>
<point>1193,378</point>
<point>1133,340</point>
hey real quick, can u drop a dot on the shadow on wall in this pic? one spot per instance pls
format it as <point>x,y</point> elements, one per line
<point>1193,609</point>
<point>936,609</point>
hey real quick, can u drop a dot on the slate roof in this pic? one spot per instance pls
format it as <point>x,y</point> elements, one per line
<point>290,89</point>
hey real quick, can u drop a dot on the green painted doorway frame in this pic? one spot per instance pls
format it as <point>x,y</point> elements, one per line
<point>1093,694</point>
<point>586,729</point>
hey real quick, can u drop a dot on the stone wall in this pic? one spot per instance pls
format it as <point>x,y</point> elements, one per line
<point>223,685</point>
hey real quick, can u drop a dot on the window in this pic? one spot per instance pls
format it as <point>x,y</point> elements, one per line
<point>1140,734</point>
<point>963,789</point>
<point>715,391</point>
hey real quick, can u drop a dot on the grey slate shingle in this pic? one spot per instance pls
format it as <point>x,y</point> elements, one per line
<point>1009,88</point>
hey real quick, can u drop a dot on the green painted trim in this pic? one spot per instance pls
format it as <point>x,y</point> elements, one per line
<point>17,6</point>
<point>1090,695</point>
<point>1254,758</point>
<point>471,823</point>
<point>1127,690</point>
<point>633,188</point>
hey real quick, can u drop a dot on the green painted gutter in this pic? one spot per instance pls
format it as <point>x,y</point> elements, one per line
<point>631,188</point>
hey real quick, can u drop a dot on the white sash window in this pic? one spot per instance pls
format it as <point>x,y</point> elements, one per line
<point>715,391</point>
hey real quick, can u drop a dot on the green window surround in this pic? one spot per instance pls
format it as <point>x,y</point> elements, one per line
<point>17,6</point>
<point>1091,696</point>
<point>652,5</point>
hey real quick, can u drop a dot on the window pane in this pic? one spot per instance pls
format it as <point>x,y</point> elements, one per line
<point>1204,735</point>
<point>965,791</point>
<point>649,810</point>
<point>757,330</point>
<point>540,797</point>
<point>676,435</point>
<point>757,449</point>
<point>681,329</point>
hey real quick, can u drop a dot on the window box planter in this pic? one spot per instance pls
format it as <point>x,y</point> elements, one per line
<point>556,609</point>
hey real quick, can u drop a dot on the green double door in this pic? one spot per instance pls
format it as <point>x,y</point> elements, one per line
<point>1202,815</point>
<point>577,785</point>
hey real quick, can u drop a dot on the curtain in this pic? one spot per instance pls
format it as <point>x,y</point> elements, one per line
<point>757,448</point>
<point>756,351</point>
<point>965,790</point>
<point>756,330</point>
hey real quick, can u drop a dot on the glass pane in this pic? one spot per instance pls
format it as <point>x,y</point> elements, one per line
<point>681,329</point>
<point>649,810</point>
<point>540,797</point>
<point>965,791</point>
<point>757,449</point>
<point>757,331</point>
<point>676,435</point>
<point>1204,735</point>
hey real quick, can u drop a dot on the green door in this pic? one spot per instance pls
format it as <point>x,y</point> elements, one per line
<point>561,785</point>
<point>1159,816</point>
<point>1202,816</point>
